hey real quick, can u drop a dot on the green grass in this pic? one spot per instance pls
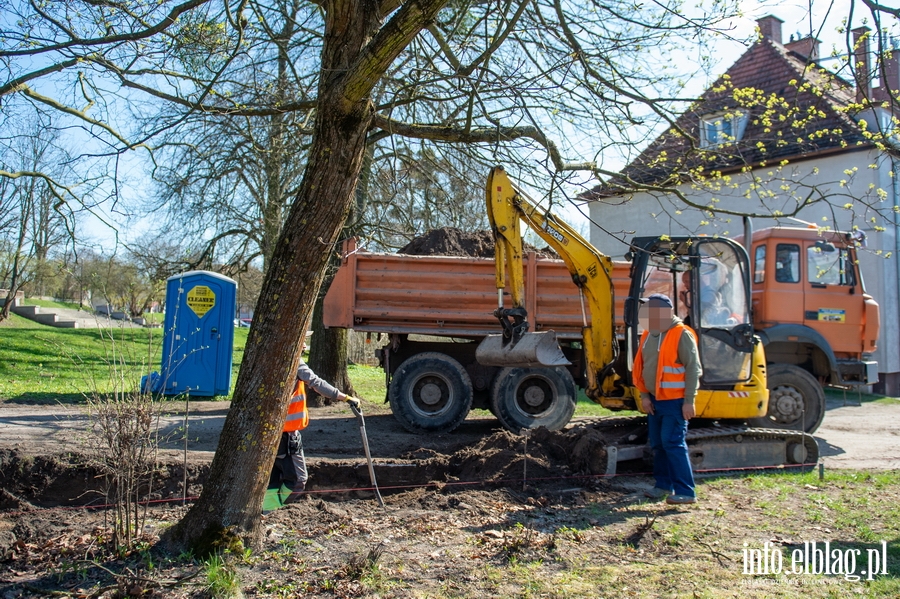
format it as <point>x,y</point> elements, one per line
<point>154,317</point>
<point>17,322</point>
<point>852,397</point>
<point>43,364</point>
<point>46,365</point>
<point>585,408</point>
<point>222,581</point>
<point>53,304</point>
<point>368,382</point>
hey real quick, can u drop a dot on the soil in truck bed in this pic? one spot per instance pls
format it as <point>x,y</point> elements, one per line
<point>449,241</point>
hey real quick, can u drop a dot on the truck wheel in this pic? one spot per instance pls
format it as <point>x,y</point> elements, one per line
<point>533,397</point>
<point>430,392</point>
<point>796,400</point>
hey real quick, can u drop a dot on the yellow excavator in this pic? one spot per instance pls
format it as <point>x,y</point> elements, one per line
<point>708,279</point>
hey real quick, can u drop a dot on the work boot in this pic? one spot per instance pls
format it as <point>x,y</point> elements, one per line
<point>295,495</point>
<point>656,493</point>
<point>680,499</point>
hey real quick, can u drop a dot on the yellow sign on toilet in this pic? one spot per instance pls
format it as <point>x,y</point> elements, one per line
<point>201,300</point>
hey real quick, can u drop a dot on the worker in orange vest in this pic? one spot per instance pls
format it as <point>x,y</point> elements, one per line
<point>290,463</point>
<point>667,372</point>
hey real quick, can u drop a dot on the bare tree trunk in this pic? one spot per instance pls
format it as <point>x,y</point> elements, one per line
<point>330,348</point>
<point>227,512</point>
<point>16,279</point>
<point>328,353</point>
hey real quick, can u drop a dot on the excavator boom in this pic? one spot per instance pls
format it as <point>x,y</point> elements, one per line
<point>507,207</point>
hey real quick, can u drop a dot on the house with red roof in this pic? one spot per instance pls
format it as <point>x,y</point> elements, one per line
<point>783,138</point>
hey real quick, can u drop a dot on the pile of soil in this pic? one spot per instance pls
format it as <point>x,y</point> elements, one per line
<point>449,241</point>
<point>549,454</point>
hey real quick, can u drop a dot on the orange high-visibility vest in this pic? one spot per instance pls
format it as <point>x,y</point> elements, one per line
<point>297,416</point>
<point>669,372</point>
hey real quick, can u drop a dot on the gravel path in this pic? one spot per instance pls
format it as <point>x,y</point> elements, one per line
<point>860,437</point>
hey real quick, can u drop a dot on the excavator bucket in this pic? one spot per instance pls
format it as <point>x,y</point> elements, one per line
<point>530,351</point>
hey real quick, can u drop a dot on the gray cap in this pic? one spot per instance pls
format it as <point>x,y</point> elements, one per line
<point>657,300</point>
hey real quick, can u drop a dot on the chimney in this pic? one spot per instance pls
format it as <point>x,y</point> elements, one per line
<point>770,28</point>
<point>860,65</point>
<point>808,47</point>
<point>890,74</point>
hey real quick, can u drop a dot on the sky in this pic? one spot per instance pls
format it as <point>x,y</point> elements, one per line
<point>820,17</point>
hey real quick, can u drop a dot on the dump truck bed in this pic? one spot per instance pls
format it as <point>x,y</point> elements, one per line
<point>451,296</point>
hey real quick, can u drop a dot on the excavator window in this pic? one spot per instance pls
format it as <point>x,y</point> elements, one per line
<point>722,307</point>
<point>708,281</point>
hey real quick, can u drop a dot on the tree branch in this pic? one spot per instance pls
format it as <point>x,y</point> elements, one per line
<point>498,40</point>
<point>54,68</point>
<point>164,24</point>
<point>384,48</point>
<point>210,109</point>
<point>479,135</point>
<point>24,89</point>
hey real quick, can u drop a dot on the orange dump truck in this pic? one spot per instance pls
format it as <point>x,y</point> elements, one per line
<point>809,308</point>
<point>815,319</point>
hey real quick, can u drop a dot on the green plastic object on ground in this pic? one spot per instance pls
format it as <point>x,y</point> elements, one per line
<point>275,498</point>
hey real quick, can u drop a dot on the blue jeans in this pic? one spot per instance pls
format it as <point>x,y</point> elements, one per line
<point>671,465</point>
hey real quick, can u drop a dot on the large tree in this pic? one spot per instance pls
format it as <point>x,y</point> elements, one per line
<point>527,82</point>
<point>361,42</point>
<point>36,221</point>
<point>359,46</point>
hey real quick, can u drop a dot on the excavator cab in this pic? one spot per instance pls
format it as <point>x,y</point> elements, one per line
<point>708,282</point>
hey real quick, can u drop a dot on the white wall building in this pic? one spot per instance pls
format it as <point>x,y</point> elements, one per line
<point>842,178</point>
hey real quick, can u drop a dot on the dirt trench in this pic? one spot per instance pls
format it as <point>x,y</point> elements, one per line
<point>70,479</point>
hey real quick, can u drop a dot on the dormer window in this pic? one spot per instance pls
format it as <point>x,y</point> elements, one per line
<point>721,128</point>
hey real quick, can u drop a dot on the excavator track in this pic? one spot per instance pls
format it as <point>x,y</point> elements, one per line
<point>720,449</point>
<point>713,450</point>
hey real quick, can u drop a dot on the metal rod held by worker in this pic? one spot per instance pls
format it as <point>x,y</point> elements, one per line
<point>365,441</point>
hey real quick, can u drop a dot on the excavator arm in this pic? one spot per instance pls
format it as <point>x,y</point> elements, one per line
<point>507,207</point>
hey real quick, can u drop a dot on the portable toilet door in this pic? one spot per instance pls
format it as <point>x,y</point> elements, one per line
<point>199,334</point>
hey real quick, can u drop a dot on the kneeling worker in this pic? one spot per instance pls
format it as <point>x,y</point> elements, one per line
<point>667,372</point>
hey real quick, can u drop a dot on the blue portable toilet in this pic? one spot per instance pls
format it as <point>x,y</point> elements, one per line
<point>199,336</point>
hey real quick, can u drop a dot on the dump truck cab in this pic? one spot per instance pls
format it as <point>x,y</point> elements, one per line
<point>814,317</point>
<point>811,306</point>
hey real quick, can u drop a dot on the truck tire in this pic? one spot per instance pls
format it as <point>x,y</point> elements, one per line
<point>533,397</point>
<point>796,400</point>
<point>430,392</point>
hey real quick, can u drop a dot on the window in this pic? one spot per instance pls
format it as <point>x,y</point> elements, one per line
<point>787,263</point>
<point>722,128</point>
<point>883,123</point>
<point>759,264</point>
<point>827,265</point>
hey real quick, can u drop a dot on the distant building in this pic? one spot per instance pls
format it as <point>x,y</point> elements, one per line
<point>774,133</point>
